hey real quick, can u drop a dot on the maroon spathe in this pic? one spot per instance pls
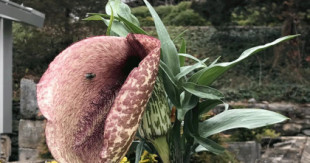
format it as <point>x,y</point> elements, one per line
<point>93,96</point>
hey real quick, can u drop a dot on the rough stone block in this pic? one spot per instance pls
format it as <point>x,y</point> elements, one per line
<point>305,157</point>
<point>27,155</point>
<point>28,100</point>
<point>246,152</point>
<point>284,149</point>
<point>5,148</point>
<point>31,133</point>
<point>291,129</point>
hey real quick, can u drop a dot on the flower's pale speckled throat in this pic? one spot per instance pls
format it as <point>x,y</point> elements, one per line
<point>93,96</point>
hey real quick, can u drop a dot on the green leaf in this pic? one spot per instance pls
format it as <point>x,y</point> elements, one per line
<point>207,105</point>
<point>168,73</point>
<point>210,145</point>
<point>99,14</point>
<point>215,61</point>
<point>202,91</point>
<point>139,151</point>
<point>188,102</point>
<point>239,118</point>
<point>209,74</point>
<point>169,51</point>
<point>189,56</point>
<point>191,125</point>
<point>182,50</point>
<point>117,28</point>
<point>132,27</point>
<point>170,84</point>
<point>93,17</point>
<point>110,23</point>
<point>179,35</point>
<point>121,9</point>
<point>188,69</point>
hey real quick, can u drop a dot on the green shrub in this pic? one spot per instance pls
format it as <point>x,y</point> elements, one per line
<point>179,15</point>
<point>185,18</point>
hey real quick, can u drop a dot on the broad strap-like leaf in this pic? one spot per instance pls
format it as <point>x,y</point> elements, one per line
<point>209,74</point>
<point>203,91</point>
<point>168,73</point>
<point>182,50</point>
<point>170,84</point>
<point>169,51</point>
<point>239,118</point>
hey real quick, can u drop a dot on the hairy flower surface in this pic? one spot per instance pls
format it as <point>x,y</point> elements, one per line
<point>93,96</point>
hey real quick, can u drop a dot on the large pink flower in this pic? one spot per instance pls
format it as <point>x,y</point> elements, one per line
<point>93,96</point>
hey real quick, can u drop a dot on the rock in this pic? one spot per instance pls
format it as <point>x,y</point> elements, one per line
<point>31,133</point>
<point>252,100</point>
<point>285,150</point>
<point>246,152</point>
<point>305,158</point>
<point>26,154</point>
<point>281,107</point>
<point>306,132</point>
<point>28,100</point>
<point>291,129</point>
<point>5,148</point>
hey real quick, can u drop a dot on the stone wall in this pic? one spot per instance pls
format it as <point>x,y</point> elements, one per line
<point>31,124</point>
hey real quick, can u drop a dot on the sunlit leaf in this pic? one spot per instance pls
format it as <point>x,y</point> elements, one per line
<point>121,9</point>
<point>239,118</point>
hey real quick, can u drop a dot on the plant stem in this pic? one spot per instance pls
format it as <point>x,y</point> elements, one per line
<point>162,148</point>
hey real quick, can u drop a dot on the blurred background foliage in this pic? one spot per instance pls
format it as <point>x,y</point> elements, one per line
<point>212,28</point>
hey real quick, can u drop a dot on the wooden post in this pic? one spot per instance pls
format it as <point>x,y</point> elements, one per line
<point>6,65</point>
